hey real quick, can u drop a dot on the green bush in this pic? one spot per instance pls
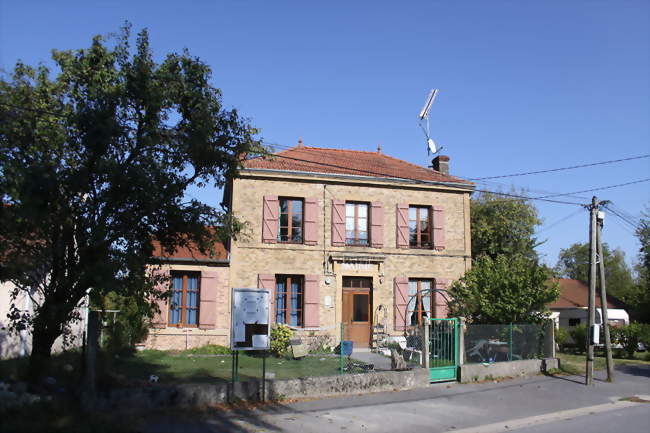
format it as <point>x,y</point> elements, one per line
<point>629,337</point>
<point>579,336</point>
<point>561,337</point>
<point>280,336</point>
<point>122,330</point>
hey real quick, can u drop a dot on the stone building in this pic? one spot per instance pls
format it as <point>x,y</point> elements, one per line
<point>337,236</point>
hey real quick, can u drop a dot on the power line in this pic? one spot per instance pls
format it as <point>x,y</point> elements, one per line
<point>599,188</point>
<point>425,182</point>
<point>540,198</point>
<point>528,189</point>
<point>632,224</point>
<point>550,226</point>
<point>612,161</point>
<point>623,226</point>
<point>634,219</point>
<point>572,167</point>
<point>281,146</point>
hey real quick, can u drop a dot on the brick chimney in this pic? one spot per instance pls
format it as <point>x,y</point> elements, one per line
<point>441,164</point>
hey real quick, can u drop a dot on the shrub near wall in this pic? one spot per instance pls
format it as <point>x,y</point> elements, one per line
<point>630,336</point>
<point>561,337</point>
<point>280,336</point>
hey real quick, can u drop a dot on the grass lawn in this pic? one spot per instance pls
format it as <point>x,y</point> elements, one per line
<point>174,367</point>
<point>575,364</point>
<point>180,367</point>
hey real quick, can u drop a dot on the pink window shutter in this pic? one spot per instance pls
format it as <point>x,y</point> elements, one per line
<point>441,309</point>
<point>438,228</point>
<point>311,221</point>
<point>401,293</point>
<point>402,217</point>
<point>270,215</point>
<point>312,301</point>
<point>159,319</point>
<point>338,223</point>
<point>267,281</point>
<point>377,225</point>
<point>209,291</point>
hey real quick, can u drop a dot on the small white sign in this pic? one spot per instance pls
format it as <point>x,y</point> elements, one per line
<point>595,334</point>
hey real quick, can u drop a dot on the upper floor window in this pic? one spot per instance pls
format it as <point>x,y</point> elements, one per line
<point>420,301</point>
<point>291,220</point>
<point>289,298</point>
<point>184,306</point>
<point>420,226</point>
<point>356,224</point>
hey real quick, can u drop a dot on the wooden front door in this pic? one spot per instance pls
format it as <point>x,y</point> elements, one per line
<point>357,310</point>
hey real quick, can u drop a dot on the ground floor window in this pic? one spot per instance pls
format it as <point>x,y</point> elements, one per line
<point>184,305</point>
<point>574,322</point>
<point>420,304</point>
<point>289,294</point>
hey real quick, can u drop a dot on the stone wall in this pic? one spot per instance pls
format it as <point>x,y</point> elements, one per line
<point>201,395</point>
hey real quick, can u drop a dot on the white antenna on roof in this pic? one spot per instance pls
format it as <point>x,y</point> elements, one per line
<point>424,114</point>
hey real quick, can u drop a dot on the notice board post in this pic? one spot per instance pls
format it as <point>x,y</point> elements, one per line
<point>250,330</point>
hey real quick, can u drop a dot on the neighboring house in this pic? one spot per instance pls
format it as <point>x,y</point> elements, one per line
<point>571,308</point>
<point>14,344</point>
<point>198,311</point>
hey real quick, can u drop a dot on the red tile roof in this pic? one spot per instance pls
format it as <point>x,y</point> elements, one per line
<point>574,293</point>
<point>352,162</point>
<point>220,253</point>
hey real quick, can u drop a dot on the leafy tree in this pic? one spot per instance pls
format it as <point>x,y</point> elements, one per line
<point>641,308</point>
<point>643,234</point>
<point>503,290</point>
<point>573,263</point>
<point>95,160</point>
<point>503,226</point>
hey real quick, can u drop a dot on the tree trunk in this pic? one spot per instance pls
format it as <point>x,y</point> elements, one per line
<point>43,337</point>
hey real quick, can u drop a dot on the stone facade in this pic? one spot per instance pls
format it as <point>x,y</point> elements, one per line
<point>251,257</point>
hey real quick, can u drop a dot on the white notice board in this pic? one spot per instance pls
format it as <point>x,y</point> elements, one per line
<point>250,328</point>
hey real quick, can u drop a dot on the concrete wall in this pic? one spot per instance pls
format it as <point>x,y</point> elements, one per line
<point>250,257</point>
<point>197,395</point>
<point>479,372</point>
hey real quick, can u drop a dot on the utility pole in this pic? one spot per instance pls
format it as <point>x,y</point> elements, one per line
<point>593,209</point>
<point>603,297</point>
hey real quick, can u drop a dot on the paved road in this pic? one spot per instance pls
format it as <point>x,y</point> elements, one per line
<point>531,405</point>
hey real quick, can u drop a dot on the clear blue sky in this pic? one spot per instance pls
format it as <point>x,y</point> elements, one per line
<point>524,85</point>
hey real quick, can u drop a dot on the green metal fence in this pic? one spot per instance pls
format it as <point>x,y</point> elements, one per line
<point>504,342</point>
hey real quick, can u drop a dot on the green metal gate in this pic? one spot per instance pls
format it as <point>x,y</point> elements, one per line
<point>443,349</point>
